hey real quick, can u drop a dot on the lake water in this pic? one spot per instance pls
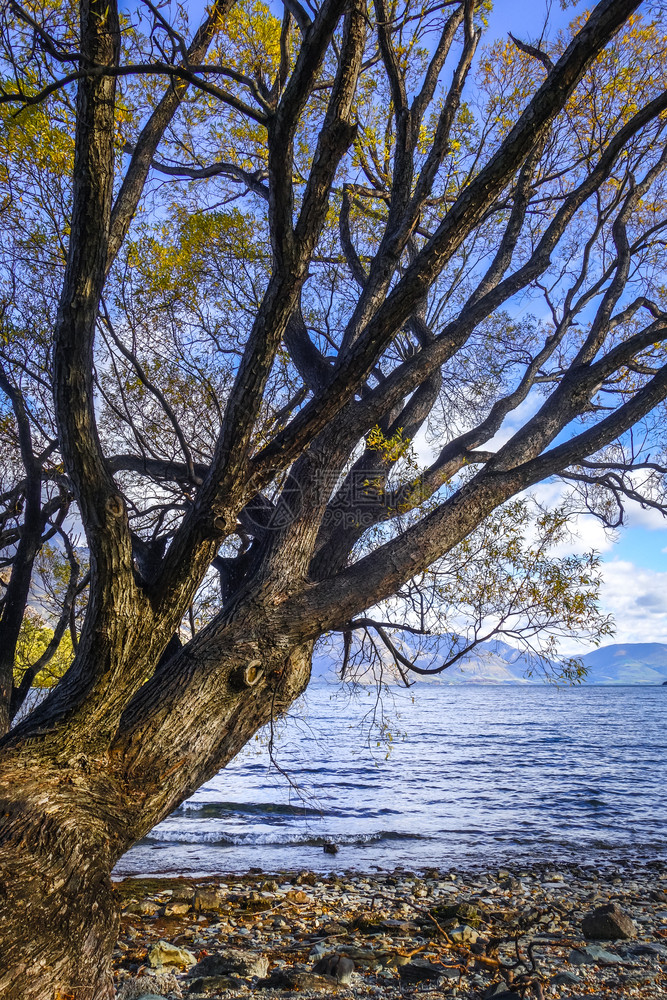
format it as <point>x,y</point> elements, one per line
<point>477,776</point>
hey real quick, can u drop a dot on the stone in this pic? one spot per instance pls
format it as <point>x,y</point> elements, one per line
<point>649,948</point>
<point>497,990</point>
<point>364,956</point>
<point>144,908</point>
<point>451,971</point>
<point>465,912</point>
<point>269,886</point>
<point>207,899</point>
<point>392,959</point>
<point>296,896</point>
<point>463,934</point>
<point>593,954</point>
<point>176,909</point>
<point>211,984</point>
<point>288,979</point>
<point>321,949</point>
<point>608,923</point>
<point>162,954</point>
<point>368,924</point>
<point>400,927</point>
<point>232,962</point>
<point>340,967</point>
<point>149,986</point>
<point>334,929</point>
<point>305,878</point>
<point>639,978</point>
<point>565,979</point>
<point>420,971</point>
<point>330,848</point>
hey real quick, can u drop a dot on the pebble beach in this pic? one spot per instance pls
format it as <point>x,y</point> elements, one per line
<point>506,934</point>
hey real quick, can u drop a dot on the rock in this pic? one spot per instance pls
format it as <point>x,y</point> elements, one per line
<point>297,896</point>
<point>499,990</point>
<point>608,923</point>
<point>162,954</point>
<point>463,934</point>
<point>565,979</point>
<point>144,908</point>
<point>150,986</point>
<point>464,912</point>
<point>305,878</point>
<point>400,927</point>
<point>392,959</point>
<point>649,948</point>
<point>340,967</point>
<point>592,954</point>
<point>207,899</point>
<point>232,962</point>
<point>211,984</point>
<point>420,971</point>
<point>280,979</point>
<point>334,929</point>
<point>639,978</point>
<point>288,979</point>
<point>330,849</point>
<point>369,924</point>
<point>321,949</point>
<point>364,956</point>
<point>176,909</point>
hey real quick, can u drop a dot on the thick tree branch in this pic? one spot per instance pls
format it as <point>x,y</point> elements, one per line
<point>355,364</point>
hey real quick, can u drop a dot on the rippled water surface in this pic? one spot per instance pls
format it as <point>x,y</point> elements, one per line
<point>476,776</point>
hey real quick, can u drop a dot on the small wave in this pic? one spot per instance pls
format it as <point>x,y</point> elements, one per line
<point>276,839</point>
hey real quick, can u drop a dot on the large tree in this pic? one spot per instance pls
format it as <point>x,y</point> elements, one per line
<point>244,267</point>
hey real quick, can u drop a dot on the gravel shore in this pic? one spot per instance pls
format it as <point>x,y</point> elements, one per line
<point>556,932</point>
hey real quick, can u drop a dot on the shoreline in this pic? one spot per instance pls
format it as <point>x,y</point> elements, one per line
<point>601,866</point>
<point>439,933</point>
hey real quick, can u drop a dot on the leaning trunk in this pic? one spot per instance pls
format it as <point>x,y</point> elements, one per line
<point>67,815</point>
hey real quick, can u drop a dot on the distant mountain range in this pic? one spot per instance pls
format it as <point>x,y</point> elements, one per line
<point>497,662</point>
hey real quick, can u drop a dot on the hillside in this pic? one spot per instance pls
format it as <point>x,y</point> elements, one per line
<point>497,662</point>
<point>628,663</point>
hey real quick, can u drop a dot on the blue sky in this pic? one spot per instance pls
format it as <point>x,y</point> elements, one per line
<point>526,19</point>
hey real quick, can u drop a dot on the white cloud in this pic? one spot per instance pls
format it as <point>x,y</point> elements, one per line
<point>645,518</point>
<point>637,597</point>
<point>515,420</point>
<point>586,532</point>
<point>425,452</point>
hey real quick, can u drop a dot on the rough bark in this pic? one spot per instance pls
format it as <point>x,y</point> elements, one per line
<point>59,918</point>
<point>68,812</point>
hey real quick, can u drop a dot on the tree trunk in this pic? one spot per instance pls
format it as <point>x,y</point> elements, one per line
<point>58,915</point>
<point>67,815</point>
